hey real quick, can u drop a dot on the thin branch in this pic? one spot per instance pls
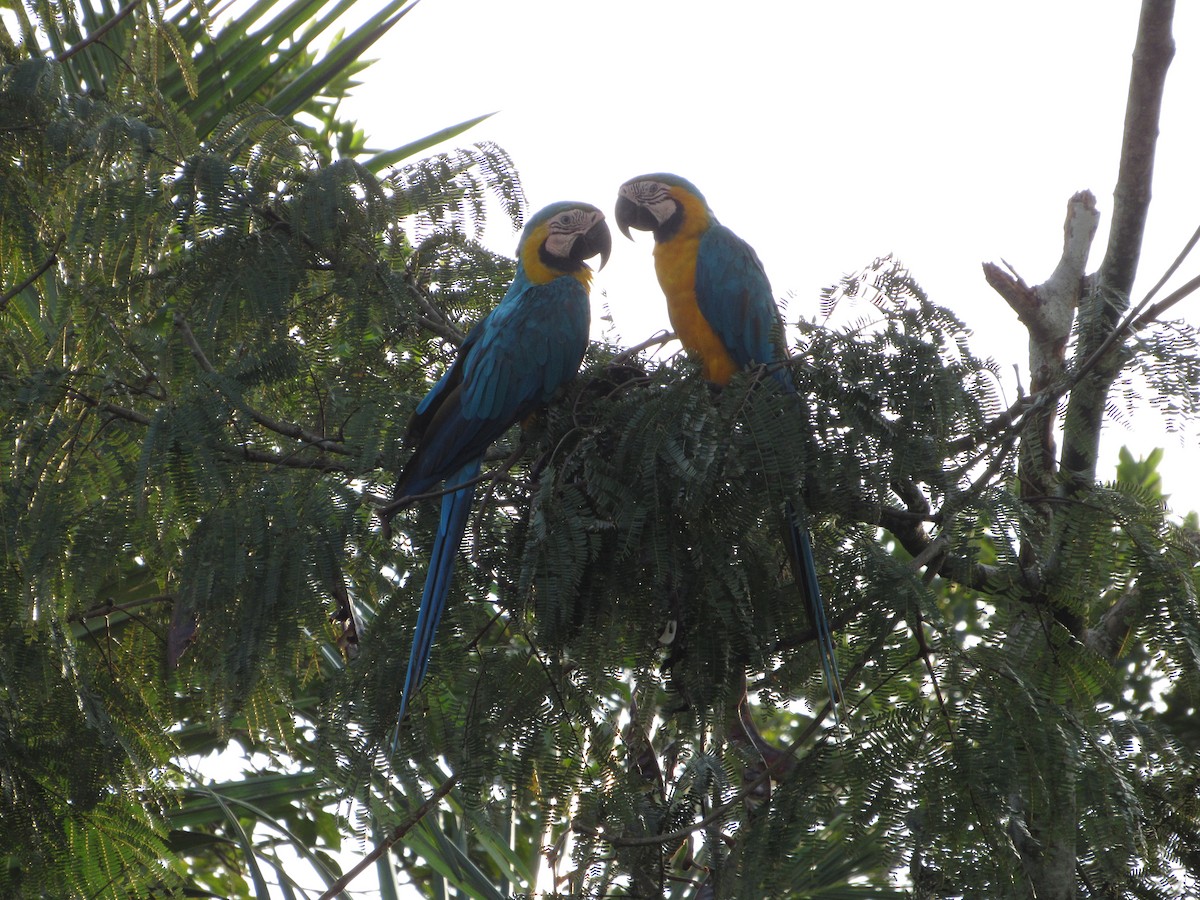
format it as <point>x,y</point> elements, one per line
<point>655,340</point>
<point>1007,419</point>
<point>26,282</point>
<point>117,412</point>
<point>1171,269</point>
<point>397,833</point>
<point>1165,303</point>
<point>100,32</point>
<point>784,760</point>
<point>287,429</point>
<point>434,319</point>
<point>107,609</point>
<point>242,451</point>
<point>389,508</point>
<point>1138,317</point>
<point>291,461</point>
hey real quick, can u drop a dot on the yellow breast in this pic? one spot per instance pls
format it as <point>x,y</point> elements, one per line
<point>675,264</point>
<point>540,273</point>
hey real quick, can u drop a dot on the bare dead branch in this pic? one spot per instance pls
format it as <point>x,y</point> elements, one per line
<point>1048,312</point>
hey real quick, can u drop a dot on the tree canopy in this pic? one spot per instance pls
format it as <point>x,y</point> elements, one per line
<point>219,308</point>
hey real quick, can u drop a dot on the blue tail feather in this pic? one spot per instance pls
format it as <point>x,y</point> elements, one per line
<point>456,507</point>
<point>805,573</point>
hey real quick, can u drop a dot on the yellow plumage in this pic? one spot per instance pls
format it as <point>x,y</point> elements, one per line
<point>675,264</point>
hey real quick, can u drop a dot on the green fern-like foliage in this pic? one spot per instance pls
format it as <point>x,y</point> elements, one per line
<point>212,335</point>
<point>174,540</point>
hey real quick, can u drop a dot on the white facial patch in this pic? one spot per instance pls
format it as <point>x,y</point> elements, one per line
<point>565,229</point>
<point>651,196</point>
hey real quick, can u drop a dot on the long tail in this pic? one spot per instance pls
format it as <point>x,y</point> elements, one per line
<point>804,570</point>
<point>455,509</point>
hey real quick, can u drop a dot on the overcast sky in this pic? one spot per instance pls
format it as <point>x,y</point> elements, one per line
<point>826,134</point>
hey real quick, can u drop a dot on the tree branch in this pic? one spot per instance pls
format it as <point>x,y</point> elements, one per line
<point>1109,298</point>
<point>250,454</point>
<point>26,282</point>
<point>104,29</point>
<point>1048,312</point>
<point>397,833</point>
<point>783,760</point>
<point>910,531</point>
<point>656,339</point>
<point>107,609</point>
<point>1152,54</point>
<point>287,429</point>
<point>1108,635</point>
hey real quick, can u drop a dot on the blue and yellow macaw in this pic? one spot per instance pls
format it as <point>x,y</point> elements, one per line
<point>721,306</point>
<point>512,362</point>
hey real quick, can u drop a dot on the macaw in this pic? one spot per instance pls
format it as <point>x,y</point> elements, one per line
<point>721,306</point>
<point>513,361</point>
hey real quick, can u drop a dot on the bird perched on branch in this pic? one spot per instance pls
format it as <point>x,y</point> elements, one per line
<point>512,362</point>
<point>720,304</point>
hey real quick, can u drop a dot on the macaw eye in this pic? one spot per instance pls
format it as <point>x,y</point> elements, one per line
<point>647,190</point>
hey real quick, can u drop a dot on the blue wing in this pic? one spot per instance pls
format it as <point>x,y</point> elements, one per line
<point>514,360</point>
<point>734,296</point>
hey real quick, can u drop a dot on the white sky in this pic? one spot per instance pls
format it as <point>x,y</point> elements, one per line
<point>825,134</point>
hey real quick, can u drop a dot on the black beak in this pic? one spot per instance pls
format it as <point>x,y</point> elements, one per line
<point>630,215</point>
<point>597,239</point>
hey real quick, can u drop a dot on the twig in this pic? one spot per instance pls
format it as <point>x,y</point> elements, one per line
<point>1165,303</point>
<point>770,769</point>
<point>389,508</point>
<point>123,412</point>
<point>287,429</point>
<point>661,337</point>
<point>26,282</point>
<point>104,29</point>
<point>397,833</point>
<point>291,461</point>
<point>434,319</point>
<point>108,609</point>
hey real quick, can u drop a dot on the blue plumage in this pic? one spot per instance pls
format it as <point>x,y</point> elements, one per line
<point>724,311</point>
<point>734,296</point>
<point>512,362</point>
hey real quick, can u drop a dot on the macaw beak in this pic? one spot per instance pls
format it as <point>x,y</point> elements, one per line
<point>597,239</point>
<point>629,214</point>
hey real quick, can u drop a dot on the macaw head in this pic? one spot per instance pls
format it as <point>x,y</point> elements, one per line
<point>560,238</point>
<point>661,203</point>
